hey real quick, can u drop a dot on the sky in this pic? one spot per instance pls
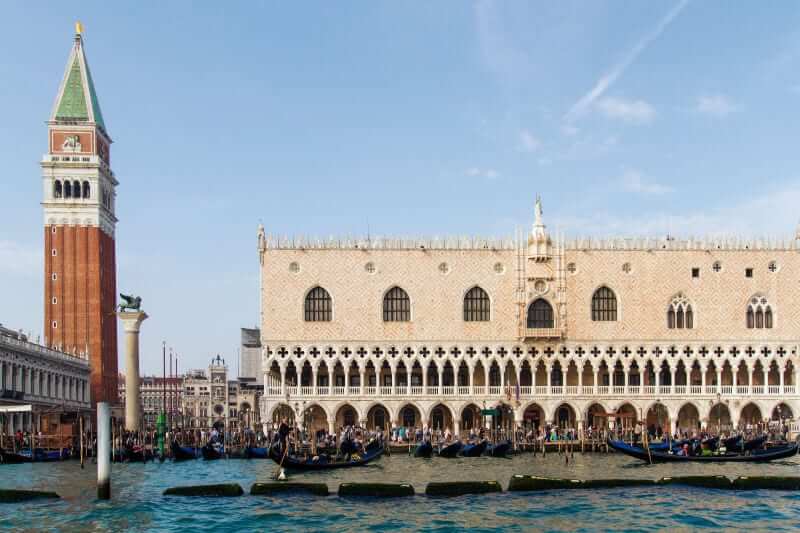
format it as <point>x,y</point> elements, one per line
<point>397,118</point>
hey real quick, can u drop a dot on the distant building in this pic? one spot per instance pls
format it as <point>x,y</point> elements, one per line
<point>205,396</point>
<point>41,389</point>
<point>157,393</point>
<point>250,354</point>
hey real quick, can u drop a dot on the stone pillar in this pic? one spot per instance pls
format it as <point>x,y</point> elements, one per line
<point>719,381</point>
<point>361,384</point>
<point>472,379</point>
<point>548,370</point>
<point>703,379</point>
<point>131,322</point>
<point>595,374</point>
<point>314,378</point>
<point>439,389</point>
<point>780,380</point>
<point>425,379</point>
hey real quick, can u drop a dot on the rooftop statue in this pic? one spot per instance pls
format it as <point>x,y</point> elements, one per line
<point>130,302</point>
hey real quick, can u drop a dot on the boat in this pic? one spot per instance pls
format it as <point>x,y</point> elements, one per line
<point>474,450</point>
<point>758,456</point>
<point>183,453</point>
<point>211,452</point>
<point>500,449</point>
<point>256,452</point>
<point>324,462</point>
<point>424,449</point>
<point>12,458</point>
<point>451,450</point>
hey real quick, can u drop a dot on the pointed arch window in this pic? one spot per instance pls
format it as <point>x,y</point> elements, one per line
<point>680,314</point>
<point>540,314</point>
<point>476,305</point>
<point>318,305</point>
<point>396,306</point>
<point>604,305</point>
<point>759,313</point>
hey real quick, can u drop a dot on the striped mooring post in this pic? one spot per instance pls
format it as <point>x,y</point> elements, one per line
<point>103,451</point>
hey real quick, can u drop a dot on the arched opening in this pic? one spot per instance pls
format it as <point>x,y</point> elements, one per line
<point>502,422</point>
<point>315,420</point>
<point>67,189</point>
<point>370,375</point>
<point>86,190</point>
<point>556,377</point>
<point>323,376</point>
<point>657,420</point>
<point>476,305</point>
<point>534,418</point>
<point>626,417</point>
<point>688,418</point>
<point>410,417</point>
<point>318,306</point>
<point>604,305</point>
<point>719,419</point>
<point>525,375</point>
<point>401,377</point>
<point>385,375</point>
<point>378,418</point>
<point>541,374</point>
<point>750,417</point>
<point>448,375</point>
<point>76,189</point>
<point>463,374</point>
<point>346,416</point>
<point>291,374</point>
<point>680,374</point>
<point>396,306</point>
<point>782,412</point>
<point>416,374</point>
<point>470,417</point>
<point>540,314</point>
<point>494,374</point>
<point>441,418</point>
<point>565,417</point>
<point>57,190</point>
<point>283,412</point>
<point>306,375</point>
<point>479,375</point>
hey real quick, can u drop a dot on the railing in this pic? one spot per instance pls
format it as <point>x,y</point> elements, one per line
<point>789,389</point>
<point>463,390</point>
<point>680,390</point>
<point>386,390</point>
<point>742,390</point>
<point>274,391</point>
<point>587,389</point>
<point>369,390</point>
<point>572,390</point>
<point>695,389</point>
<point>649,390</point>
<point>494,391</point>
<point>602,390</point>
<point>557,390</point>
<point>448,390</point>
<point>541,390</point>
<point>292,390</point>
<point>416,390</point>
<point>757,389</point>
<point>727,389</point>
<point>542,333</point>
<point>432,390</point>
<point>618,390</point>
<point>633,390</point>
<point>338,391</point>
<point>307,391</point>
<point>323,390</point>
<point>774,389</point>
<point>711,389</point>
<point>525,390</point>
<point>664,389</point>
<point>354,391</point>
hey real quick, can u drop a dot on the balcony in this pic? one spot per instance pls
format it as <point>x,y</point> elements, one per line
<point>370,390</point>
<point>354,391</point>
<point>758,389</point>
<point>494,391</point>
<point>774,389</point>
<point>463,391</point>
<point>448,390</point>
<point>416,390</point>
<point>307,391</point>
<point>542,333</point>
<point>386,391</point>
<point>338,391</point>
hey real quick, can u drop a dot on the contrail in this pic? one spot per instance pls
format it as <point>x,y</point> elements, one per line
<point>608,79</point>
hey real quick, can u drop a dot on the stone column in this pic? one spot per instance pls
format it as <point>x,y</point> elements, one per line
<point>131,322</point>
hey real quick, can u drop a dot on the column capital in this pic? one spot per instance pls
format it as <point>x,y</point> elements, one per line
<point>132,320</point>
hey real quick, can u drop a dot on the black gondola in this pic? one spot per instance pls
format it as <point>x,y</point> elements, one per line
<point>474,450</point>
<point>212,453</point>
<point>13,458</point>
<point>324,462</point>
<point>183,453</point>
<point>759,456</point>
<point>424,449</point>
<point>501,449</point>
<point>256,452</point>
<point>451,450</point>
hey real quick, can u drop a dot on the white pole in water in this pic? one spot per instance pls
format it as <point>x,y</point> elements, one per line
<point>103,451</point>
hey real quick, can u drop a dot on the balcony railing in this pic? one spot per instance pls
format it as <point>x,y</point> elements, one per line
<point>542,333</point>
<point>528,391</point>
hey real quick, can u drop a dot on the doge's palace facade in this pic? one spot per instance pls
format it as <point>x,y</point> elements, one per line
<point>680,333</point>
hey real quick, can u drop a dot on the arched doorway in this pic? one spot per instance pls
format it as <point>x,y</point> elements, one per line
<point>751,416</point>
<point>565,417</point>
<point>782,412</point>
<point>596,417</point>
<point>283,412</point>
<point>533,419</point>
<point>688,418</point>
<point>657,420</point>
<point>470,417</point>
<point>346,416</point>
<point>378,418</point>
<point>315,419</point>
<point>441,418</point>
<point>626,417</point>
<point>719,419</point>
<point>409,416</point>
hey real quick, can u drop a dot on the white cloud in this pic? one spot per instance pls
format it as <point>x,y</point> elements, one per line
<point>488,173</point>
<point>716,105</point>
<point>528,142</point>
<point>726,220</point>
<point>637,111</point>
<point>19,259</point>
<point>610,77</point>
<point>633,181</point>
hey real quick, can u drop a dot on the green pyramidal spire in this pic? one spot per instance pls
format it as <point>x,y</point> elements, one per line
<point>77,99</point>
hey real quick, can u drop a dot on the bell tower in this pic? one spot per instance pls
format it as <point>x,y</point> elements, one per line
<point>79,191</point>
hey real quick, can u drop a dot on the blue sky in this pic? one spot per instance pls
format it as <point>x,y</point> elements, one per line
<point>443,118</point>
